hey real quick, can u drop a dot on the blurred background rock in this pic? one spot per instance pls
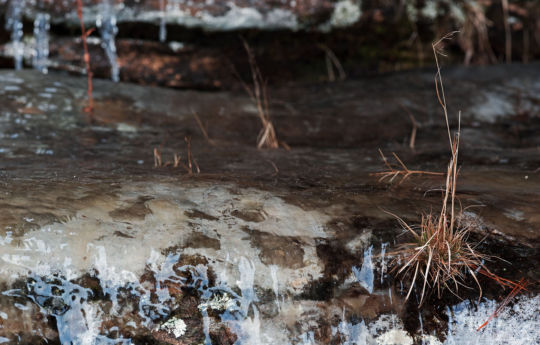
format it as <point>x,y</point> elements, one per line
<point>198,44</point>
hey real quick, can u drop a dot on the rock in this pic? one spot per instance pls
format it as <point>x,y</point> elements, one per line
<point>198,44</point>
<point>260,246</point>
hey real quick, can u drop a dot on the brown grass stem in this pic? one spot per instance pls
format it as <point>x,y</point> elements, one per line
<point>258,93</point>
<point>440,253</point>
<point>412,140</point>
<point>331,62</point>
<point>84,34</point>
<point>507,32</point>
<point>191,166</point>
<point>203,128</point>
<point>392,173</point>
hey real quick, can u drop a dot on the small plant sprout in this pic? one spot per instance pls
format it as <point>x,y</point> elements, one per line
<point>439,253</point>
<point>440,257</point>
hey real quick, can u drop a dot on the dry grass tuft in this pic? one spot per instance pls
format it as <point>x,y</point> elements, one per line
<point>440,255</point>
<point>332,62</point>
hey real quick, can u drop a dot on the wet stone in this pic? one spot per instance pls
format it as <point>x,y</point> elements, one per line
<point>199,240</point>
<point>249,215</point>
<point>134,210</point>
<point>281,251</point>
<point>199,214</point>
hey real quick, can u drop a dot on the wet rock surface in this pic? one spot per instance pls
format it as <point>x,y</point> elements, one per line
<point>263,246</point>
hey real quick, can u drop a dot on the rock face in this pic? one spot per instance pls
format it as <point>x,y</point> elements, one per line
<point>100,245</point>
<point>197,44</point>
<point>211,16</point>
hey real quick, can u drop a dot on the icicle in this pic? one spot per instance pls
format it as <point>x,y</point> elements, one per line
<point>365,275</point>
<point>275,287</point>
<point>352,334</point>
<point>421,328</point>
<point>449,335</point>
<point>106,22</point>
<point>162,26</point>
<point>307,338</point>
<point>41,35</point>
<point>206,327</point>
<point>247,276</point>
<point>394,321</point>
<point>383,264</point>
<point>77,320</point>
<point>246,328</point>
<point>15,25</point>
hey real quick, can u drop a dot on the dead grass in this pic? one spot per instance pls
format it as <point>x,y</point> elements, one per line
<point>191,166</point>
<point>267,136</point>
<point>203,128</point>
<point>440,256</point>
<point>474,38</point>
<point>332,62</point>
<point>412,140</point>
<point>157,158</point>
<point>415,126</point>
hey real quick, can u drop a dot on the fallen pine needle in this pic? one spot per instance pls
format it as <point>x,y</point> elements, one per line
<point>517,288</point>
